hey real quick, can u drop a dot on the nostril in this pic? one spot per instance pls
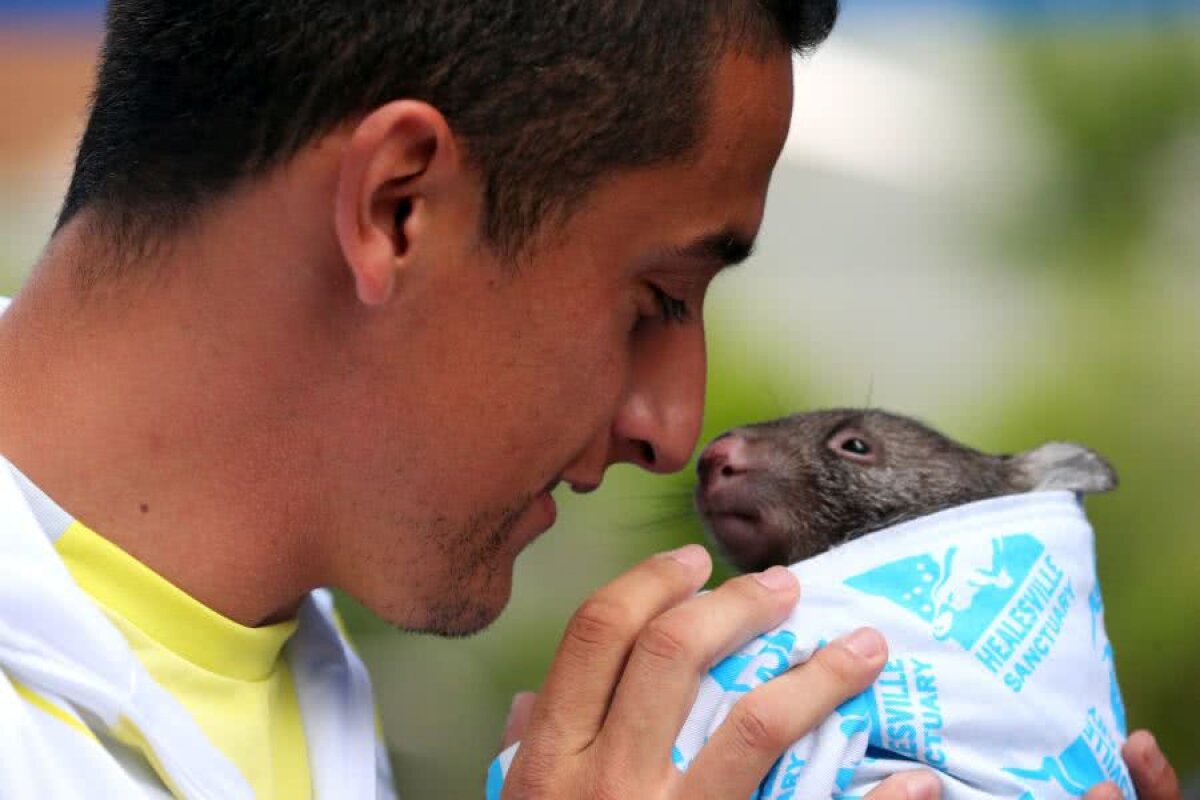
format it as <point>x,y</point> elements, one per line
<point>648,454</point>
<point>707,463</point>
<point>724,458</point>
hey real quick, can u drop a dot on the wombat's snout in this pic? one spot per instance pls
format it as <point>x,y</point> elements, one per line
<point>724,459</point>
<point>729,499</point>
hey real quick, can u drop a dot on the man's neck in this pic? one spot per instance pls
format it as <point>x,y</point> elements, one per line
<point>111,401</point>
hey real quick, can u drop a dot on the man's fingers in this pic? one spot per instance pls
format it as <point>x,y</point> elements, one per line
<point>768,719</point>
<point>518,719</point>
<point>673,652</point>
<point>1103,791</point>
<point>1153,777</point>
<point>918,784</point>
<point>580,684</point>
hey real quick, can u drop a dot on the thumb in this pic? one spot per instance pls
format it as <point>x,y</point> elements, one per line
<point>518,719</point>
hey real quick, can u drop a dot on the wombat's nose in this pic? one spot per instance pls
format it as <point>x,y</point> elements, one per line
<point>724,458</point>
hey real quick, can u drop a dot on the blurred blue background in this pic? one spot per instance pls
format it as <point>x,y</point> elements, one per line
<point>987,215</point>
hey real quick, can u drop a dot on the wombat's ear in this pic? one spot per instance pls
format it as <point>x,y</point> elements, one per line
<point>1062,465</point>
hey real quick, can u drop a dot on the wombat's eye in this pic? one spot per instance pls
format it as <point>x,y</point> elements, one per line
<point>856,446</point>
<point>853,445</point>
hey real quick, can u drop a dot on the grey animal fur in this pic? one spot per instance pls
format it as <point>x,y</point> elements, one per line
<point>801,497</point>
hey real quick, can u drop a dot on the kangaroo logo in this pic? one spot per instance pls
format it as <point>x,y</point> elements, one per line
<point>962,591</point>
<point>968,570</point>
<point>1094,756</point>
<point>772,658</point>
<point>1075,769</point>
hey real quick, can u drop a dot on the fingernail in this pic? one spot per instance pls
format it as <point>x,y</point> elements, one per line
<point>777,579</point>
<point>864,643</point>
<point>690,555</point>
<point>922,786</point>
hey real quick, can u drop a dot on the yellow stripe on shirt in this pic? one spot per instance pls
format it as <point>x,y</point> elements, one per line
<point>37,701</point>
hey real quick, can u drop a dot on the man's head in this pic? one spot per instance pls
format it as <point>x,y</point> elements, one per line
<point>194,97</point>
<point>472,243</point>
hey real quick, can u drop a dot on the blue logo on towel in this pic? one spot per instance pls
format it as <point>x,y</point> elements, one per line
<point>963,591</point>
<point>1093,757</point>
<point>771,652</point>
<point>909,721</point>
<point>1004,599</point>
<point>1075,769</point>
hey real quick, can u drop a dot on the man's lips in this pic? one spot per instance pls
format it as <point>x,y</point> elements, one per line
<point>544,500</point>
<point>549,509</point>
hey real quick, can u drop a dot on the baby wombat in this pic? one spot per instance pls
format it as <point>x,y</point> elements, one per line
<point>782,491</point>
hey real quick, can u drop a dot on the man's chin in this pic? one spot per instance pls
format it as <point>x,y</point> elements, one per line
<point>468,620</point>
<point>472,582</point>
<point>477,599</point>
<point>465,611</point>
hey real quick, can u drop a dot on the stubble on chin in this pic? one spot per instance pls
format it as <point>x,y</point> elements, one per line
<point>474,560</point>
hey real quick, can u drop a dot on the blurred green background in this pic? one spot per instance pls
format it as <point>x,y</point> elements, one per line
<point>990,224</point>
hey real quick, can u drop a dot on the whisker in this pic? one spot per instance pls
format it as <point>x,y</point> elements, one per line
<point>668,495</point>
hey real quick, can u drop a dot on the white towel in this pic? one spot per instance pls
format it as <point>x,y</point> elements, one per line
<point>1000,674</point>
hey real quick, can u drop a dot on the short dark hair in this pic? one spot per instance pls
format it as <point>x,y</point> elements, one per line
<point>194,96</point>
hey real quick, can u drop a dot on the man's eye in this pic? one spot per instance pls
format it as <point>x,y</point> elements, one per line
<point>673,309</point>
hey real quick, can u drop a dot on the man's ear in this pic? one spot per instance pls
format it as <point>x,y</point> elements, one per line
<point>1062,465</point>
<point>389,169</point>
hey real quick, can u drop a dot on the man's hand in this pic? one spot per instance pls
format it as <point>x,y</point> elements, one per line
<point>1153,777</point>
<point>626,674</point>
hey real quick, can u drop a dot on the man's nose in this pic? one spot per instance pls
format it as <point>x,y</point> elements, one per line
<point>659,421</point>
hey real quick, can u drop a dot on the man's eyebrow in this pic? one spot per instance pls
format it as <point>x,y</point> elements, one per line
<point>726,248</point>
